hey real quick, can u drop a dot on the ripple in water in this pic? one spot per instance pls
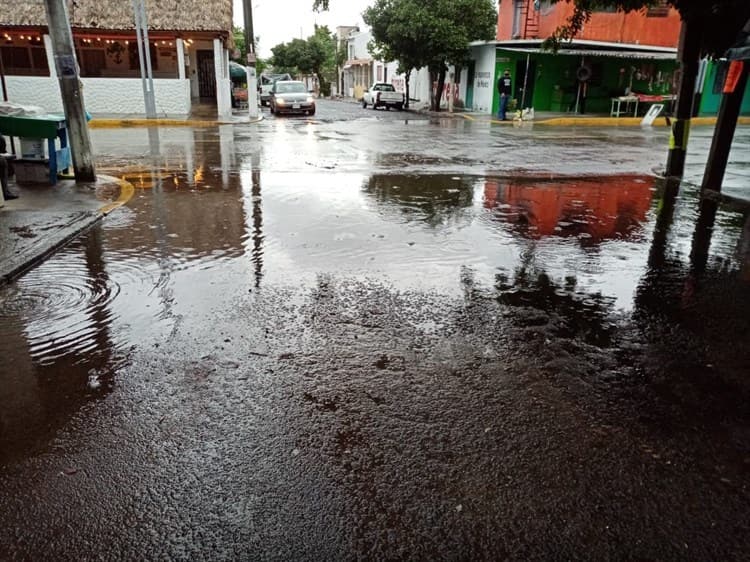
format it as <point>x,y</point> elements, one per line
<point>62,308</point>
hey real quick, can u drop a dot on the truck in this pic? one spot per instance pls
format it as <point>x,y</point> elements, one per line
<point>266,82</point>
<point>385,95</point>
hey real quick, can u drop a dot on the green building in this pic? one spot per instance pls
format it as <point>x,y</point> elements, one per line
<point>586,76</point>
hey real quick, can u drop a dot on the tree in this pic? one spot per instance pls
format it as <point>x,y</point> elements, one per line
<point>314,55</point>
<point>709,27</point>
<point>720,20</point>
<point>431,33</point>
<point>238,34</point>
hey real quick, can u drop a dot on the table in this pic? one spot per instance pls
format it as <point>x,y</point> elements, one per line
<point>48,127</point>
<point>636,98</point>
<point>619,101</point>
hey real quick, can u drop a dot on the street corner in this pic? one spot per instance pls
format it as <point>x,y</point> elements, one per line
<point>113,192</point>
<point>44,218</point>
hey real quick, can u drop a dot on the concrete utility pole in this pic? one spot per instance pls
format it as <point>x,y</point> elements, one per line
<point>729,112</point>
<point>70,89</point>
<point>144,57</point>
<point>252,78</point>
<point>689,54</point>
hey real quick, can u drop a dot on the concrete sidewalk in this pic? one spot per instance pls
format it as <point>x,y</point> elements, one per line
<point>44,218</point>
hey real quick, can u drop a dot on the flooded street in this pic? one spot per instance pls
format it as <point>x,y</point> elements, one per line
<point>380,336</point>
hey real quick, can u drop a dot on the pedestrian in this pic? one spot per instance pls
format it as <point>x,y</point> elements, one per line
<point>504,87</point>
<point>7,195</point>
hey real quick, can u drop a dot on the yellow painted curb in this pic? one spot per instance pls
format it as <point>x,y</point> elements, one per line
<point>498,122</point>
<point>126,123</point>
<point>623,121</point>
<point>468,117</point>
<point>126,192</point>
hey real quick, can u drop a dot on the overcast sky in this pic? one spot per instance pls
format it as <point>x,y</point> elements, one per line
<point>279,21</point>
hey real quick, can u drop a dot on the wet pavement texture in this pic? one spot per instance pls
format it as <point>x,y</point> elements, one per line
<point>380,338</point>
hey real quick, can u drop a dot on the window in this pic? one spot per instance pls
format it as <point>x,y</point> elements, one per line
<point>92,62</point>
<point>133,57</point>
<point>24,61</point>
<point>604,8</point>
<point>16,58</point>
<point>659,10</point>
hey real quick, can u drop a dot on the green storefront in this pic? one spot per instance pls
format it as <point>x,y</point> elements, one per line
<point>711,97</point>
<point>583,80</point>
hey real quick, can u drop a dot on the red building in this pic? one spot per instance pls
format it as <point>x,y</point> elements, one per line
<point>520,19</point>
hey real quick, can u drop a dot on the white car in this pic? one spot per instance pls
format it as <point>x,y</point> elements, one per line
<point>385,95</point>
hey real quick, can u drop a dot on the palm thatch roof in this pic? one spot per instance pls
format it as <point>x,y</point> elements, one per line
<point>163,15</point>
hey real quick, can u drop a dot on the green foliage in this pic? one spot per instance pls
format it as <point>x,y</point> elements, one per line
<point>238,34</point>
<point>432,33</point>
<point>314,55</point>
<point>720,20</point>
<point>429,32</point>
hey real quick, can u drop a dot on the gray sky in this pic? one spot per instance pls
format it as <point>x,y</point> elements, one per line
<point>279,21</point>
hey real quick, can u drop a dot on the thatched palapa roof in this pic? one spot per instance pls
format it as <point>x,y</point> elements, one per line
<point>163,15</point>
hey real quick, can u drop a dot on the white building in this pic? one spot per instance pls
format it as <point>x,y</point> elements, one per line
<point>189,55</point>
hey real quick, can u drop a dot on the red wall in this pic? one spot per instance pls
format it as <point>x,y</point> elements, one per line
<point>634,27</point>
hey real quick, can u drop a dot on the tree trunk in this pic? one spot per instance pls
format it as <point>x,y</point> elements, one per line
<point>406,101</point>
<point>729,112</point>
<point>689,55</point>
<point>433,91</point>
<point>440,88</point>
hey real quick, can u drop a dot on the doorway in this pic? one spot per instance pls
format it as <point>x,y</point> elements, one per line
<point>206,75</point>
<point>526,100</point>
<point>469,104</point>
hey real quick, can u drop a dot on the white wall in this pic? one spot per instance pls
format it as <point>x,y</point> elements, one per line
<point>359,40</point>
<point>484,77</point>
<point>103,95</point>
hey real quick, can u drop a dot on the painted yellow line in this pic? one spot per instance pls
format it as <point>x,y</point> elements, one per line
<point>468,117</point>
<point>127,123</point>
<point>624,121</point>
<point>498,122</point>
<point>126,193</point>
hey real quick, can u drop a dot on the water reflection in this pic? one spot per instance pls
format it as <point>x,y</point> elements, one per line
<point>56,341</point>
<point>434,199</point>
<point>692,305</point>
<point>67,327</point>
<point>590,208</point>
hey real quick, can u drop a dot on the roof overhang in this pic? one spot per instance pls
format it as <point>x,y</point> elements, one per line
<point>356,62</point>
<point>577,44</point>
<point>598,53</point>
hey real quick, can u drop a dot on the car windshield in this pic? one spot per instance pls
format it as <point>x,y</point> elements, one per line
<point>290,88</point>
<point>385,88</point>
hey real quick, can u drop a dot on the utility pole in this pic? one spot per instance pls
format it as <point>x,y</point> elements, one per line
<point>689,54</point>
<point>70,89</point>
<point>729,112</point>
<point>252,77</point>
<point>144,57</point>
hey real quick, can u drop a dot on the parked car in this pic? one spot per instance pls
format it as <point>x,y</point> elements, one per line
<point>385,95</point>
<point>265,84</point>
<point>291,96</point>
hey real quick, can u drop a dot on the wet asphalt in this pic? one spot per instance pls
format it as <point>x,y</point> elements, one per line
<point>380,335</point>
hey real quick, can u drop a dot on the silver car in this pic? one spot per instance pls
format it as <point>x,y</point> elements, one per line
<point>291,96</point>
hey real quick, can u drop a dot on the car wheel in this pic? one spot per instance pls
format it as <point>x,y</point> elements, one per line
<point>271,109</point>
<point>400,107</point>
<point>364,104</point>
<point>311,112</point>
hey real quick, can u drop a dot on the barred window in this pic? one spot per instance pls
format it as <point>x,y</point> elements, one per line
<point>658,10</point>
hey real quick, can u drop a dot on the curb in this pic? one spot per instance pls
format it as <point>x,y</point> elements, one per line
<point>28,260</point>
<point>134,123</point>
<point>80,223</point>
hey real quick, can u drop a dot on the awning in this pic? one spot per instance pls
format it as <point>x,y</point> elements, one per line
<point>649,55</point>
<point>356,62</point>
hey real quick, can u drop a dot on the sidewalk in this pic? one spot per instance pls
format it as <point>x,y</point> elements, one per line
<point>45,218</point>
<point>554,119</point>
